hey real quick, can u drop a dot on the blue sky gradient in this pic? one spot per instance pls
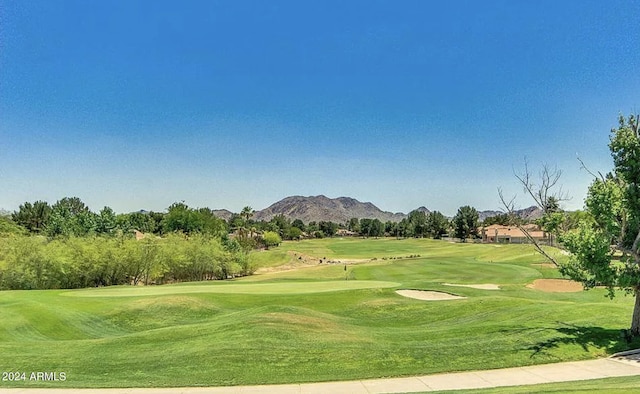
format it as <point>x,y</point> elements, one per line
<point>137,104</point>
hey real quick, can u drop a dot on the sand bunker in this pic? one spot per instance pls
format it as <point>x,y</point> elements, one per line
<point>428,295</point>
<point>484,286</point>
<point>556,285</point>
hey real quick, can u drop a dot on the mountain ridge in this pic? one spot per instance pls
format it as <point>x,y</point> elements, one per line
<point>322,208</point>
<point>341,209</point>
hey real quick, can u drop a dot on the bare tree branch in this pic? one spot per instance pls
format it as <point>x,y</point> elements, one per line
<point>513,218</point>
<point>542,192</point>
<point>584,167</point>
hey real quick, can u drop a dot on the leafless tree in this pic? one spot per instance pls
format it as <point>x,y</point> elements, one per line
<point>545,191</point>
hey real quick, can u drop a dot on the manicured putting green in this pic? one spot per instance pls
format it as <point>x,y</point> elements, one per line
<point>234,288</point>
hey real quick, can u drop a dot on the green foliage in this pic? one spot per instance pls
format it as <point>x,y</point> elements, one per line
<point>371,228</point>
<point>614,205</point>
<point>280,224</point>
<point>146,223</point>
<point>7,226</point>
<point>106,222</point>
<point>328,229</point>
<point>271,238</point>
<point>465,223</point>
<point>294,233</point>
<point>605,203</point>
<point>211,224</point>
<point>591,257</point>
<point>73,262</point>
<point>437,225</point>
<point>625,150</point>
<point>403,229</point>
<point>34,217</point>
<point>391,228</point>
<point>353,225</point>
<point>417,224</point>
<point>299,224</point>
<point>247,213</point>
<point>181,218</point>
<point>70,217</point>
<point>502,219</point>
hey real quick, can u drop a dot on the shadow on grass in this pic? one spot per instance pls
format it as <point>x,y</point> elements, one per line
<point>610,340</point>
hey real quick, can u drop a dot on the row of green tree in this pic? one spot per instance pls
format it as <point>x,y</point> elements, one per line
<point>70,216</point>
<point>417,224</point>
<point>76,262</point>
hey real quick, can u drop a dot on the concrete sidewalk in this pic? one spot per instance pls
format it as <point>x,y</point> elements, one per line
<point>622,365</point>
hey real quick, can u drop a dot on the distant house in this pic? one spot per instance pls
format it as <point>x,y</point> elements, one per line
<point>497,233</point>
<point>345,233</point>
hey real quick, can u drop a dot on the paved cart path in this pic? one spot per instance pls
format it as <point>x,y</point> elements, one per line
<point>623,365</point>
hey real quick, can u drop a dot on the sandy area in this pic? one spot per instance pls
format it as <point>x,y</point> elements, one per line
<point>428,295</point>
<point>556,285</point>
<point>483,286</point>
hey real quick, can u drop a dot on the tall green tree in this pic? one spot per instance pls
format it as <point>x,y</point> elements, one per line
<point>403,228</point>
<point>614,203</point>
<point>106,221</point>
<point>465,223</point>
<point>328,228</point>
<point>437,225</point>
<point>247,213</point>
<point>371,228</point>
<point>34,217</point>
<point>141,221</point>
<point>299,224</point>
<point>181,218</point>
<point>353,224</point>
<point>70,216</point>
<point>418,223</point>
<point>281,224</point>
<point>211,224</point>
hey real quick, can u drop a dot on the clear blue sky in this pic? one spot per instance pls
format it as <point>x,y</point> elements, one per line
<point>137,104</point>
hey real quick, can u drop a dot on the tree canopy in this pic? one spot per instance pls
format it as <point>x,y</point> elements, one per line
<point>465,223</point>
<point>605,250</point>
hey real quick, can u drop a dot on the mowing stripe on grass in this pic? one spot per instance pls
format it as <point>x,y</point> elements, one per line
<point>234,288</point>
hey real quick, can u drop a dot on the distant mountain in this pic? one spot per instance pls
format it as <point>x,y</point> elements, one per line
<point>530,213</point>
<point>4,212</point>
<point>322,208</point>
<point>341,209</point>
<point>488,214</point>
<point>224,214</point>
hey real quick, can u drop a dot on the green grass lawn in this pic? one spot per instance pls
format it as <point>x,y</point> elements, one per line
<point>317,323</point>
<point>620,385</point>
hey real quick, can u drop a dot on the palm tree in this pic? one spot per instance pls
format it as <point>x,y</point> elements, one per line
<point>247,213</point>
